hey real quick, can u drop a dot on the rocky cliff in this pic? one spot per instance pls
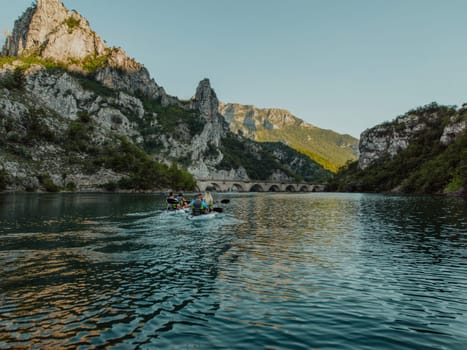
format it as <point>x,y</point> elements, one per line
<point>422,151</point>
<point>388,139</point>
<point>76,113</point>
<point>326,147</point>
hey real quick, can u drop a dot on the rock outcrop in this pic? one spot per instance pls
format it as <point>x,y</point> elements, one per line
<point>388,139</point>
<point>205,101</point>
<point>49,31</point>
<point>203,148</point>
<point>249,119</point>
<point>454,129</point>
<point>423,151</point>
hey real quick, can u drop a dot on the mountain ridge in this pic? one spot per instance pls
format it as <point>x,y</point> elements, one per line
<point>328,148</point>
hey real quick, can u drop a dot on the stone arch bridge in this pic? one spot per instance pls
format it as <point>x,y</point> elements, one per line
<point>255,186</point>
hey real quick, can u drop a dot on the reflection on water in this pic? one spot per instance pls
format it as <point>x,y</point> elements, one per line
<point>287,271</point>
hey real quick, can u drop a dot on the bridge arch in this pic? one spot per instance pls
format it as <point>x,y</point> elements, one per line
<point>256,188</point>
<point>290,188</point>
<point>236,187</point>
<point>214,187</point>
<point>304,188</point>
<point>274,188</point>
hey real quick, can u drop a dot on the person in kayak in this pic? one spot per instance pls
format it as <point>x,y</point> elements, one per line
<point>172,202</point>
<point>182,201</point>
<point>209,200</point>
<point>198,206</point>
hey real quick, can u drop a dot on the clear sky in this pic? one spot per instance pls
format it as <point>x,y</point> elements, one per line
<point>344,65</point>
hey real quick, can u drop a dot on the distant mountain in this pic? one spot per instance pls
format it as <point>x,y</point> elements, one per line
<point>326,147</point>
<point>423,151</point>
<point>76,114</point>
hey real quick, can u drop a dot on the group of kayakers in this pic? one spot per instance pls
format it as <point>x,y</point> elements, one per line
<point>201,204</point>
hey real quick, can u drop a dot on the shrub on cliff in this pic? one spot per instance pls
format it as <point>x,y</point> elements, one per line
<point>46,181</point>
<point>4,180</point>
<point>143,172</point>
<point>13,81</point>
<point>174,120</point>
<point>258,161</point>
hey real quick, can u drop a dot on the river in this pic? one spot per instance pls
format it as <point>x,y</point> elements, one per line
<point>274,271</point>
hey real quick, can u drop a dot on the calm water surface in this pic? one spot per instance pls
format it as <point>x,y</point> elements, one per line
<point>275,271</point>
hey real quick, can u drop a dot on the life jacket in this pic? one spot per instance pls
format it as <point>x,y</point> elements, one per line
<point>197,207</point>
<point>181,201</point>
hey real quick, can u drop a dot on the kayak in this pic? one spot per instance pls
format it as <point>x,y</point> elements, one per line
<point>178,211</point>
<point>202,216</point>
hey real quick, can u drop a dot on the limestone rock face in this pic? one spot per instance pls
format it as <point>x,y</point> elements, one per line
<point>249,119</point>
<point>205,101</point>
<point>455,128</point>
<point>65,44</point>
<point>11,107</point>
<point>60,92</point>
<point>388,139</point>
<point>50,31</point>
<point>16,42</point>
<point>133,80</point>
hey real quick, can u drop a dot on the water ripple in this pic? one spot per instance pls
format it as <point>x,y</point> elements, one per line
<point>337,271</point>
